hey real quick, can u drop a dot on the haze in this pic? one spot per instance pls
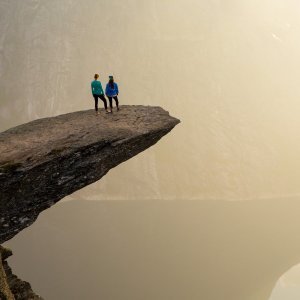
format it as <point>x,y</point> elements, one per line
<point>230,71</point>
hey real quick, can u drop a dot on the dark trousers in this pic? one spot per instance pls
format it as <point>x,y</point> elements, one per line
<point>96,101</point>
<point>110,101</point>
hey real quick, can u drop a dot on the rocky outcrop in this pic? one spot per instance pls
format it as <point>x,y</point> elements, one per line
<point>11,287</point>
<point>5,292</point>
<point>45,160</point>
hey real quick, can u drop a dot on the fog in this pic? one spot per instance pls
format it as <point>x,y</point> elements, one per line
<point>133,250</point>
<point>230,71</point>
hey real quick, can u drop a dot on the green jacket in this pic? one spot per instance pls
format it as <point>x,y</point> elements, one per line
<point>97,88</point>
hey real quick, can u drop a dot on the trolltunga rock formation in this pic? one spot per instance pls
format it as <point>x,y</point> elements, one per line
<point>45,160</point>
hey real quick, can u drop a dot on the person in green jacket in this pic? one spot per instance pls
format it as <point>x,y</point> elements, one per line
<point>98,92</point>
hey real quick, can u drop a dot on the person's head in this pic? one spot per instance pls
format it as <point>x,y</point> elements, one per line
<point>111,81</point>
<point>96,76</point>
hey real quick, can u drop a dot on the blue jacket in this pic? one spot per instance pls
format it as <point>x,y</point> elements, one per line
<point>97,88</point>
<point>111,92</point>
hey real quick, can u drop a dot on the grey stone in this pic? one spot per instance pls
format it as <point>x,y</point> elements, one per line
<point>45,160</point>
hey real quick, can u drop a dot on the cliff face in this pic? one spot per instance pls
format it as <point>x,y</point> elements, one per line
<point>5,292</point>
<point>45,160</point>
<point>11,287</point>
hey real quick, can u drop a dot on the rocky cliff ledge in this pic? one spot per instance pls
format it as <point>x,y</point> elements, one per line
<point>45,160</point>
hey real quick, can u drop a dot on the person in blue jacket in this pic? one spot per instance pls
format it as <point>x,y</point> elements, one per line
<point>98,92</point>
<point>112,92</point>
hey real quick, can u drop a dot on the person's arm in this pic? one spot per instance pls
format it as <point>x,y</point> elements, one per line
<point>92,88</point>
<point>106,89</point>
<point>101,88</point>
<point>117,89</point>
